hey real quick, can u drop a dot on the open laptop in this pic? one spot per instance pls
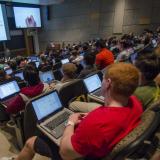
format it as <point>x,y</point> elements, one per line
<point>8,89</point>
<point>93,85</point>
<point>50,113</point>
<point>37,63</point>
<point>46,77</point>
<point>64,61</point>
<point>8,71</point>
<point>33,58</point>
<point>20,75</point>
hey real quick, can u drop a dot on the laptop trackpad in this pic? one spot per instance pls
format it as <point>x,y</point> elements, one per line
<point>58,131</point>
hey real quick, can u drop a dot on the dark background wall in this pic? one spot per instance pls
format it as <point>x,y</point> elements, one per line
<point>80,20</point>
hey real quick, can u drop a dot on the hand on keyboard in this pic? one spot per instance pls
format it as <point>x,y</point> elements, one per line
<point>77,117</point>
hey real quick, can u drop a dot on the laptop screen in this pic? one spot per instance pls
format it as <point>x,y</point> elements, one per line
<point>92,83</point>
<point>8,71</point>
<point>37,63</point>
<point>64,61</point>
<point>33,58</point>
<point>46,76</point>
<point>8,89</point>
<point>20,75</point>
<point>46,105</point>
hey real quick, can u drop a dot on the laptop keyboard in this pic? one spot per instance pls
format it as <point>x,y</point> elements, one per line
<point>97,93</point>
<point>58,120</point>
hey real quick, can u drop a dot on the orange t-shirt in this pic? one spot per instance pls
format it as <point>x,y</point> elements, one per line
<point>104,58</point>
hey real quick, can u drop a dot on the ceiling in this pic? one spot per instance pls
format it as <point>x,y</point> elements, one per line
<point>39,2</point>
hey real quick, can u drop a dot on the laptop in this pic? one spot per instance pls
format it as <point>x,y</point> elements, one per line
<point>50,113</point>
<point>8,71</point>
<point>33,58</point>
<point>37,63</point>
<point>20,75</point>
<point>8,89</point>
<point>64,61</point>
<point>46,77</point>
<point>93,85</point>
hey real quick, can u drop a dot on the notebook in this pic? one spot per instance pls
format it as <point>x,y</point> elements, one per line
<point>93,85</point>
<point>46,77</point>
<point>8,89</point>
<point>64,61</point>
<point>50,113</point>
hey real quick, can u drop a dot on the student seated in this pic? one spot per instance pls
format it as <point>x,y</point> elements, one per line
<point>13,65</point>
<point>89,61</point>
<point>148,92</point>
<point>44,62</point>
<point>104,57</point>
<point>21,62</point>
<point>35,87</point>
<point>69,74</point>
<point>149,66</point>
<point>3,76</point>
<point>94,135</point>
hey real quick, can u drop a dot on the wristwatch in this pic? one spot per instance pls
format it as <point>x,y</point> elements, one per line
<point>68,123</point>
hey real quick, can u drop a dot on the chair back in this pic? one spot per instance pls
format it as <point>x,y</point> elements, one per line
<point>150,121</point>
<point>71,90</point>
<point>57,74</point>
<point>30,121</point>
<point>57,66</point>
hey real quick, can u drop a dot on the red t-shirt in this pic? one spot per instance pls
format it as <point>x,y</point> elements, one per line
<point>104,58</point>
<point>104,127</point>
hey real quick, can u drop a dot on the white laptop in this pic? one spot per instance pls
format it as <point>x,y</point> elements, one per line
<point>50,113</point>
<point>20,75</point>
<point>46,77</point>
<point>8,89</point>
<point>64,61</point>
<point>93,85</point>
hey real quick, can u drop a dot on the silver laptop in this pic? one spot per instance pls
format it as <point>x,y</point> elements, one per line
<point>64,61</point>
<point>8,89</point>
<point>93,85</point>
<point>46,77</point>
<point>50,113</point>
<point>20,75</point>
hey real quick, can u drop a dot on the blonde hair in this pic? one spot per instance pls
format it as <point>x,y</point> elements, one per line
<point>124,78</point>
<point>69,69</point>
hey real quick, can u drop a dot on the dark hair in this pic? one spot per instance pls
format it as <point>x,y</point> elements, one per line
<point>31,75</point>
<point>149,65</point>
<point>33,64</point>
<point>89,58</point>
<point>19,59</point>
<point>100,44</point>
<point>2,75</point>
<point>43,58</point>
<point>13,65</point>
<point>85,46</point>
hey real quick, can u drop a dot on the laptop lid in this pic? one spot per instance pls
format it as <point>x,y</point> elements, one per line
<point>8,89</point>
<point>92,83</point>
<point>8,71</point>
<point>20,75</point>
<point>46,77</point>
<point>46,105</point>
<point>64,61</point>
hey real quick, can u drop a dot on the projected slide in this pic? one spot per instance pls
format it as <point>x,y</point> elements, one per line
<point>27,17</point>
<point>4,32</point>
